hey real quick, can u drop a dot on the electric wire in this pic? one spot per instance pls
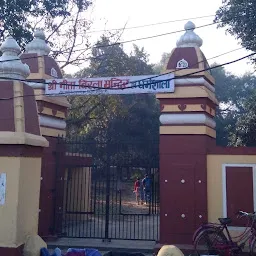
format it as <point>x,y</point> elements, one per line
<point>97,88</point>
<point>152,24</point>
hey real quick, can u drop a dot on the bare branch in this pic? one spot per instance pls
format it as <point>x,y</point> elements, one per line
<point>56,28</point>
<point>38,22</point>
<point>74,37</point>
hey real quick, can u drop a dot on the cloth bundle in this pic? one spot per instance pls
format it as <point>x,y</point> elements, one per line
<point>71,252</point>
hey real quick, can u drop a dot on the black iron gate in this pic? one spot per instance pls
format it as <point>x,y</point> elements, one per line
<point>95,192</point>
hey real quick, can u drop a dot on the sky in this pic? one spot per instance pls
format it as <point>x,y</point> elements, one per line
<point>108,14</point>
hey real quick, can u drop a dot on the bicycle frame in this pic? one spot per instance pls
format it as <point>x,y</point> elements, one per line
<point>252,239</point>
<point>248,235</point>
<point>226,246</point>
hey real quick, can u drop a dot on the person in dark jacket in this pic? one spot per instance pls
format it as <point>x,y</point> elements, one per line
<point>147,189</point>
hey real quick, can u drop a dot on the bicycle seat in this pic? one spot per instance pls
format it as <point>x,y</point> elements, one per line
<point>225,221</point>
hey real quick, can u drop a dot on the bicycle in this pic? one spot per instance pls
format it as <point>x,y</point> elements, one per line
<point>210,239</point>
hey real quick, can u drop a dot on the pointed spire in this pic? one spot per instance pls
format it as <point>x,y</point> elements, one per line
<point>38,44</point>
<point>10,63</point>
<point>190,38</point>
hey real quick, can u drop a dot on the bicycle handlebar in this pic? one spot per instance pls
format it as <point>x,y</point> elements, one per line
<point>242,214</point>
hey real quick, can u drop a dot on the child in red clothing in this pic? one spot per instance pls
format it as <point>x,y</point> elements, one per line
<point>137,190</point>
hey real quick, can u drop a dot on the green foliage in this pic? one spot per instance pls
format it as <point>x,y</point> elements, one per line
<point>137,173</point>
<point>160,67</point>
<point>136,117</point>
<point>140,120</point>
<point>91,114</point>
<point>246,124</point>
<point>115,118</point>
<point>113,61</point>
<point>239,18</point>
<point>16,16</point>
<point>232,93</point>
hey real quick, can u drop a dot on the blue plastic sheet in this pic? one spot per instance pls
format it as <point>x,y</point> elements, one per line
<point>71,252</point>
<point>83,252</point>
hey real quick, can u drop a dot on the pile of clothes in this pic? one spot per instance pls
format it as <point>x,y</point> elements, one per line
<point>71,252</point>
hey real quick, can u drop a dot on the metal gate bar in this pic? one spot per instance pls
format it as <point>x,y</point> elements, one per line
<point>97,197</point>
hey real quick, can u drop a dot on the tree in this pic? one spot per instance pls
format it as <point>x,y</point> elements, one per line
<point>160,67</point>
<point>16,16</point>
<point>228,110</point>
<point>128,125</point>
<point>119,117</point>
<point>109,59</point>
<point>64,24</point>
<point>239,18</point>
<point>233,93</point>
<point>244,134</point>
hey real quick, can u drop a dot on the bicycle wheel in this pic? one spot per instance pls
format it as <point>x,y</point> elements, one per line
<point>252,245</point>
<point>210,242</point>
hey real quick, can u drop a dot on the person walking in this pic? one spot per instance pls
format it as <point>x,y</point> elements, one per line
<point>141,190</point>
<point>136,190</point>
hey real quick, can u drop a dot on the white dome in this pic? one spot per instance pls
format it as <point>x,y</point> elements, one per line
<point>38,44</point>
<point>10,63</point>
<point>190,38</point>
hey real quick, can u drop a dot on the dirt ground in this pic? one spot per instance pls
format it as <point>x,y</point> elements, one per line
<point>129,203</point>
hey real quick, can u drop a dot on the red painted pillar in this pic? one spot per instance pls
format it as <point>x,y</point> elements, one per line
<point>52,112</point>
<point>187,131</point>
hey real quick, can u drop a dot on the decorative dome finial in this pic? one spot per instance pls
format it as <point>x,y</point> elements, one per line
<point>190,38</point>
<point>10,63</point>
<point>39,34</point>
<point>38,44</point>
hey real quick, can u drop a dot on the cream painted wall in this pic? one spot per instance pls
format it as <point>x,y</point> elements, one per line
<point>214,181</point>
<point>8,211</point>
<point>29,193</point>
<point>19,215</point>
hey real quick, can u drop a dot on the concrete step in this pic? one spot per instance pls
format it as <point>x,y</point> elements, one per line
<point>146,247</point>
